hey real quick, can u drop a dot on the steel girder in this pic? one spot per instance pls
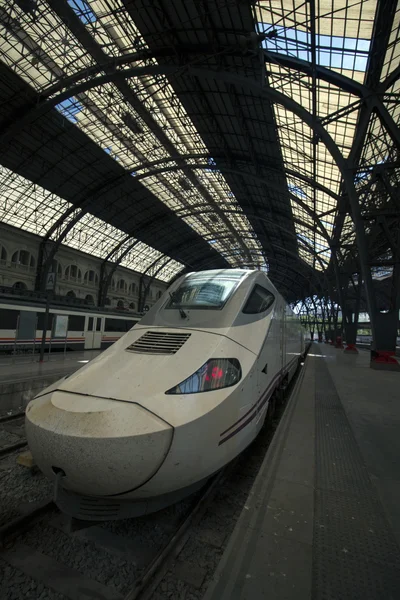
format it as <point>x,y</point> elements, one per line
<point>277,97</point>
<point>339,80</point>
<point>68,16</point>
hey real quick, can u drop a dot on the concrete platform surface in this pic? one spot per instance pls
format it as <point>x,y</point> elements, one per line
<point>20,367</point>
<point>322,521</point>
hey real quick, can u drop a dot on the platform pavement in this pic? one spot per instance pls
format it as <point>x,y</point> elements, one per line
<point>22,377</point>
<point>322,520</point>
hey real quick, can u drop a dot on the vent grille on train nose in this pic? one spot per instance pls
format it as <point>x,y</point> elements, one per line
<point>159,342</point>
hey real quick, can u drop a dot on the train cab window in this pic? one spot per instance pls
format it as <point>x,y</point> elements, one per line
<point>204,291</point>
<point>259,301</point>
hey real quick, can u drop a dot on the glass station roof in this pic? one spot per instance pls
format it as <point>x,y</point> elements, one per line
<point>104,114</point>
<point>320,54</point>
<point>339,38</point>
<point>30,207</point>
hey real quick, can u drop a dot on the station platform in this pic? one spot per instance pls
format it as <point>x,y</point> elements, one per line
<point>322,520</point>
<point>22,377</point>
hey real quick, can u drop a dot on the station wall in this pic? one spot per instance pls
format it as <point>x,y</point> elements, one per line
<point>77,273</point>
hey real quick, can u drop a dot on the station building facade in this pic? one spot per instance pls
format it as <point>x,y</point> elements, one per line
<point>78,274</point>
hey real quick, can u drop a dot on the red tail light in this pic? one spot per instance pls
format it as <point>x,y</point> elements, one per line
<point>215,374</point>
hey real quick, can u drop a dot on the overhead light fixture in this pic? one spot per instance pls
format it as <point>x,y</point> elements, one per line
<point>132,123</point>
<point>185,185</point>
<point>28,6</point>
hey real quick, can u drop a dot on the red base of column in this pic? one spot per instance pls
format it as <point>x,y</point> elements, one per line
<point>351,349</point>
<point>385,360</point>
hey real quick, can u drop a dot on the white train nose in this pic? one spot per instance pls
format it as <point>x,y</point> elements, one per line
<point>104,447</point>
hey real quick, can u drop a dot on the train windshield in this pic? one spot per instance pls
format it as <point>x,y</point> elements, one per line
<point>202,291</point>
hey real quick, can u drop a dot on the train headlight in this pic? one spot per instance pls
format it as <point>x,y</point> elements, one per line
<point>215,374</point>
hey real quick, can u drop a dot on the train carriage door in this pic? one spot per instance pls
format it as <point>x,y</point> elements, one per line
<point>98,332</point>
<point>89,332</point>
<point>94,326</point>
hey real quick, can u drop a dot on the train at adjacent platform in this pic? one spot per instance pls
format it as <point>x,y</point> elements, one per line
<point>179,396</point>
<point>69,328</point>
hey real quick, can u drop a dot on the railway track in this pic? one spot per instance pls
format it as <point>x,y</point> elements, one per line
<point>20,536</point>
<point>45,557</point>
<point>12,433</point>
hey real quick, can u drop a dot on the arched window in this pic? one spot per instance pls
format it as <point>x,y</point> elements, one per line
<point>158,295</point>
<point>20,285</point>
<point>132,288</point>
<point>57,268</point>
<point>120,304</point>
<point>71,294</point>
<point>89,299</point>
<point>132,306</point>
<point>113,283</point>
<point>91,277</point>
<point>108,301</point>
<point>23,257</point>
<point>122,286</point>
<point>3,253</point>
<point>73,273</point>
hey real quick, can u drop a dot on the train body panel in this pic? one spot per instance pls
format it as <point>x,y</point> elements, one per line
<point>94,431</point>
<point>204,362</point>
<point>21,327</point>
<point>144,378</point>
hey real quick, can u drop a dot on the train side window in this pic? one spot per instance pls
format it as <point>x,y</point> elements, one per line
<point>120,325</point>
<point>8,318</point>
<point>98,324</point>
<point>259,301</point>
<point>76,322</point>
<point>90,324</point>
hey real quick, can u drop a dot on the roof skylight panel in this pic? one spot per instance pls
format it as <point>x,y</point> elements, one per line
<point>169,271</point>
<point>157,100</point>
<point>325,203</point>
<point>392,106</point>
<point>34,209</point>
<point>339,47</point>
<point>141,257</point>
<point>392,56</point>
<point>98,112</point>
<point>23,205</point>
<point>154,92</point>
<point>53,51</point>
<point>15,55</point>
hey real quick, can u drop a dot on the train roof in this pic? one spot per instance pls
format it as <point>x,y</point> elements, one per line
<point>232,273</point>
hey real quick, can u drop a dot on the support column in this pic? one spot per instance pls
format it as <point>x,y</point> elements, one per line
<point>383,357</point>
<point>384,352</point>
<point>329,332</point>
<point>337,335</point>
<point>350,329</point>
<point>350,315</point>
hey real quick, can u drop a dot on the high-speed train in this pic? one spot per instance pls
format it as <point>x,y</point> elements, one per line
<point>171,402</point>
